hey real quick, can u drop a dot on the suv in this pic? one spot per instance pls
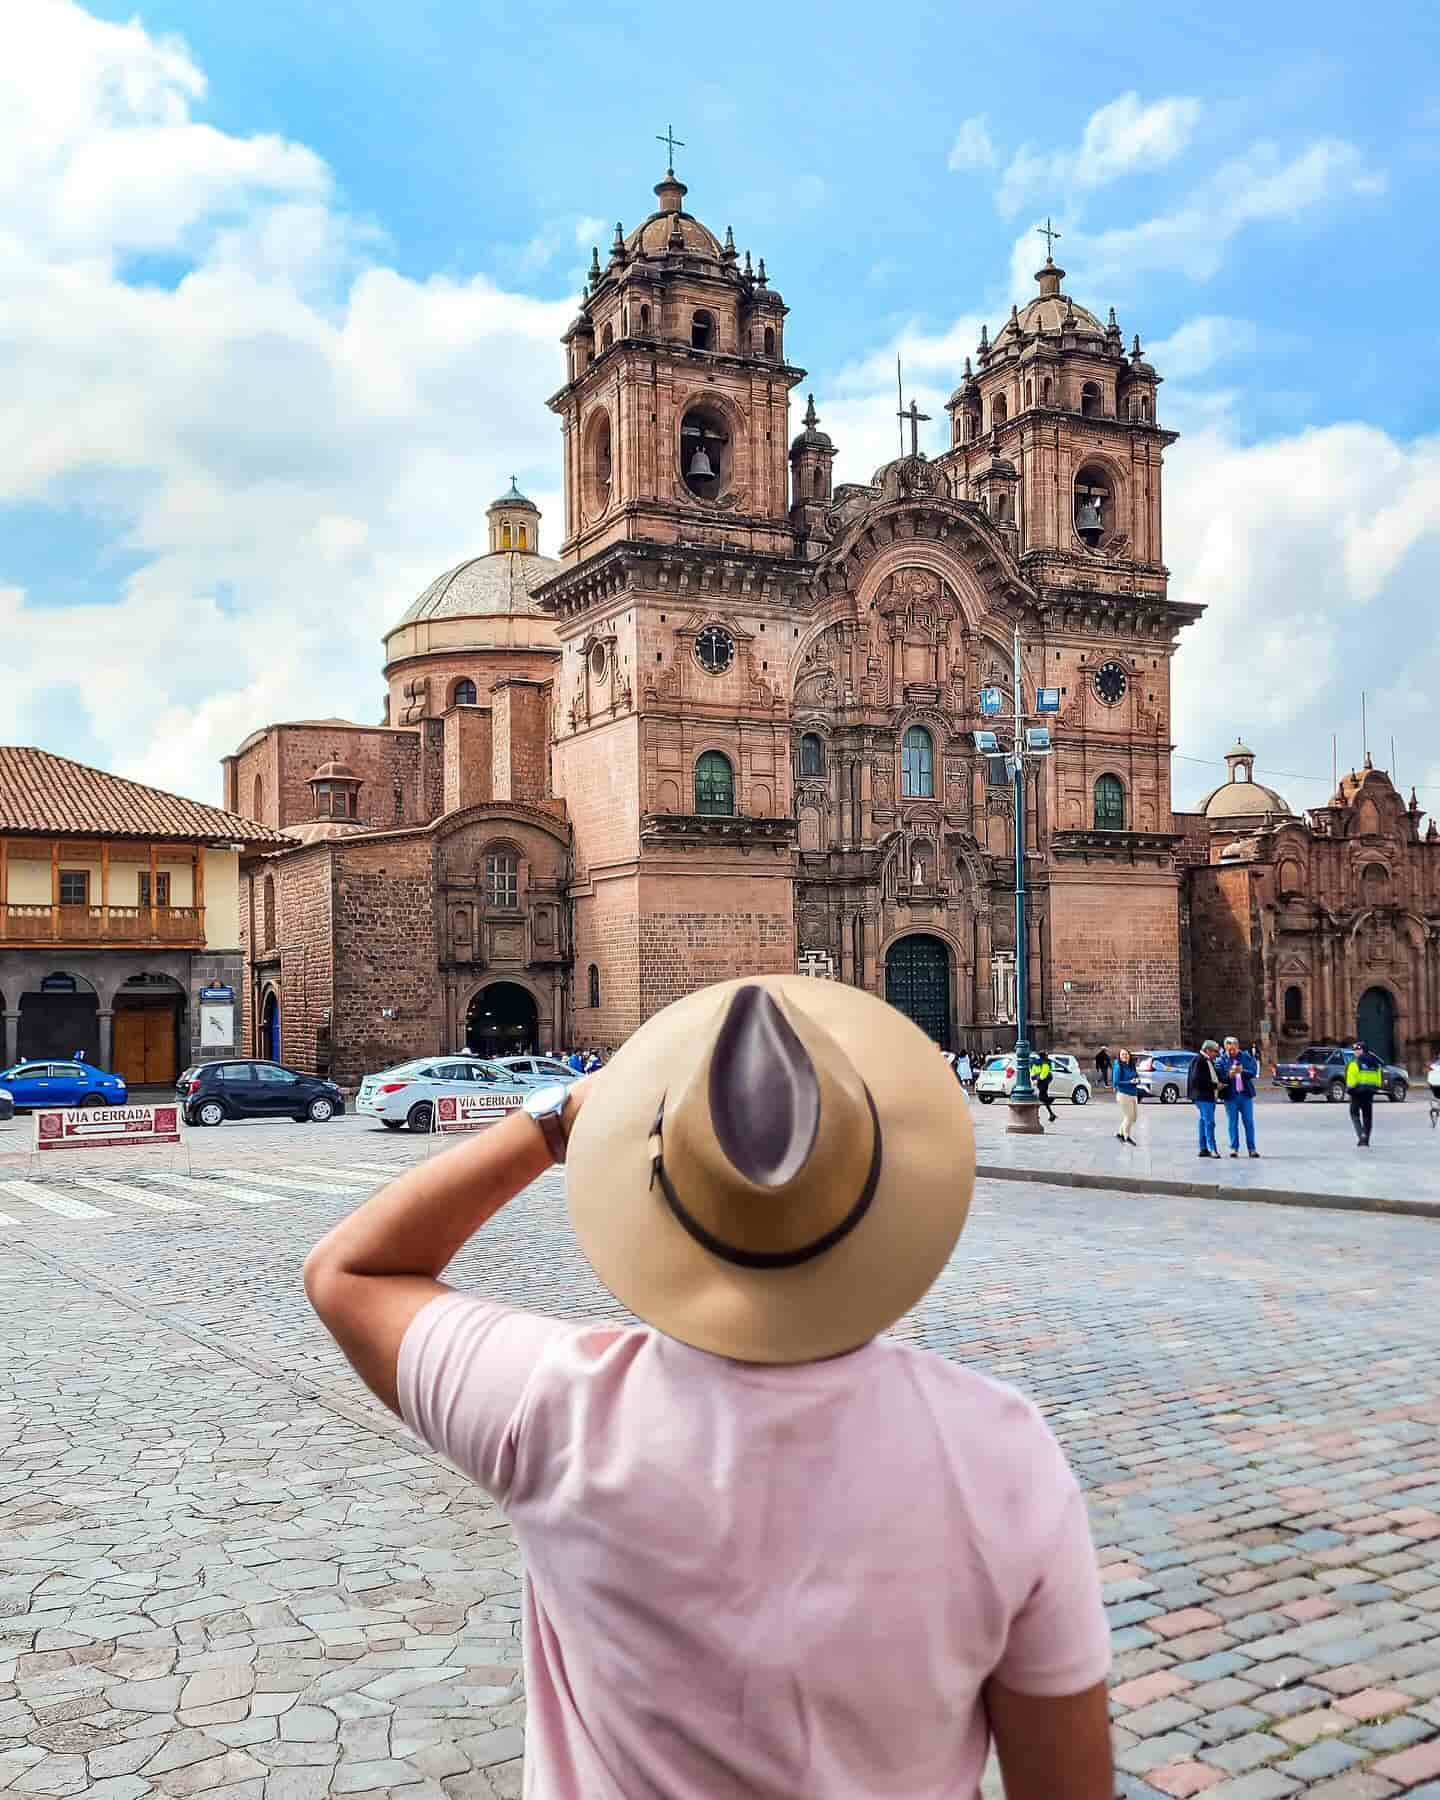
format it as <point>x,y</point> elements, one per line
<point>213,1092</point>
<point>1164,1073</point>
<point>1320,1069</point>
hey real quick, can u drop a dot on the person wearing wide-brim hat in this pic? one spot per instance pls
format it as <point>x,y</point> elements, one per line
<point>769,1553</point>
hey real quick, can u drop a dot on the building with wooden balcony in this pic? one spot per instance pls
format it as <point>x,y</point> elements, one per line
<point>119,919</point>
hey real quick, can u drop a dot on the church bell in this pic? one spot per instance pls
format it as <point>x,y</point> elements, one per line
<point>700,465</point>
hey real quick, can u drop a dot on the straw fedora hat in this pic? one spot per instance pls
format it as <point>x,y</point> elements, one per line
<point>773,1169</point>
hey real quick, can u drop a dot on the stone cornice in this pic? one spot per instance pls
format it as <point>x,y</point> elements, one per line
<point>658,829</point>
<point>688,572</point>
<point>1114,846</point>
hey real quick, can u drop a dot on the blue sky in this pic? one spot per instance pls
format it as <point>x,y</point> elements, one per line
<point>282,286</point>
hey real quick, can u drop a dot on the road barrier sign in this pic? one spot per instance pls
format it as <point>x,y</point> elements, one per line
<point>103,1127</point>
<point>472,1112</point>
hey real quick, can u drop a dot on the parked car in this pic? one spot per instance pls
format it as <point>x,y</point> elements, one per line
<point>543,1071</point>
<point>1432,1078</point>
<point>1164,1073</point>
<point>7,1105</point>
<point>998,1078</point>
<point>76,1083</point>
<point>212,1092</point>
<point>406,1095</point>
<point>1320,1069</point>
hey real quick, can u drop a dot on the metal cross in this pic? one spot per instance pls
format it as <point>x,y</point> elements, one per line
<point>670,142</point>
<point>1049,233</point>
<point>916,419</point>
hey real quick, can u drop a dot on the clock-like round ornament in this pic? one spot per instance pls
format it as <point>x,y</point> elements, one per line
<point>1111,684</point>
<point>714,649</point>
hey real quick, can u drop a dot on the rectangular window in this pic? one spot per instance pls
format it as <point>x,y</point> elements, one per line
<point>1002,985</point>
<point>502,880</point>
<point>74,887</point>
<point>162,888</point>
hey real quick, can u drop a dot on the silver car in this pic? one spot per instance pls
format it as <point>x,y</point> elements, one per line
<point>406,1095</point>
<point>542,1071</point>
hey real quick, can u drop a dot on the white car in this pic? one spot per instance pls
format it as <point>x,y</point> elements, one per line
<point>540,1071</point>
<point>997,1078</point>
<point>406,1095</point>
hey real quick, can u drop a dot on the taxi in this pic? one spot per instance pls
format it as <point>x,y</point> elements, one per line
<point>406,1095</point>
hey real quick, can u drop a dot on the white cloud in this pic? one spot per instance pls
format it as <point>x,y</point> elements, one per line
<point>859,402</point>
<point>1259,187</point>
<point>294,438</point>
<point>972,148</point>
<point>1313,555</point>
<point>1199,344</point>
<point>1122,138</point>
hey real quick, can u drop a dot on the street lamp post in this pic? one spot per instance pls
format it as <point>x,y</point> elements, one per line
<point>1024,1101</point>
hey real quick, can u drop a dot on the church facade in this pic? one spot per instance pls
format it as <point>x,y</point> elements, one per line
<point>729,729</point>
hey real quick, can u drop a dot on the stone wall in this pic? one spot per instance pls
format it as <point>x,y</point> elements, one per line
<point>1114,936</point>
<point>1225,953</point>
<point>386,955</point>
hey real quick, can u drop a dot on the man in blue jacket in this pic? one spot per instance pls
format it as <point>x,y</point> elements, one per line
<point>1237,1070</point>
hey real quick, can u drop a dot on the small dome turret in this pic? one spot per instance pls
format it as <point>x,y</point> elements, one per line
<point>514,521</point>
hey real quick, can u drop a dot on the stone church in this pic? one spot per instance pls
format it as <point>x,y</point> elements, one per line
<point>729,729</point>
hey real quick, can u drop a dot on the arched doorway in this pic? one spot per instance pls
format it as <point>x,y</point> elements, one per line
<point>60,1017</point>
<point>502,1020</point>
<point>917,982</point>
<point>147,1032</point>
<point>1375,1022</point>
<point>270,1026</point>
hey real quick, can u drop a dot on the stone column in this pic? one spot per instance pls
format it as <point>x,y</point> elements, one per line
<point>107,1039</point>
<point>11,1021</point>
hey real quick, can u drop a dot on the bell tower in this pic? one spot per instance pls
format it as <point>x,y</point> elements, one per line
<point>676,403</point>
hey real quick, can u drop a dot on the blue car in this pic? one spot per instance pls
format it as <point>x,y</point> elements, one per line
<point>34,1084</point>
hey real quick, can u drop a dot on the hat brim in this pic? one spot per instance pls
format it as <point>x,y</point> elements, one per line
<point>824,1307</point>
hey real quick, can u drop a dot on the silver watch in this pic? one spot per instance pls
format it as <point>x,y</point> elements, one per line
<point>546,1106</point>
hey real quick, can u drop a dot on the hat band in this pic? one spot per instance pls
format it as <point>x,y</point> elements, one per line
<point>765,1259</point>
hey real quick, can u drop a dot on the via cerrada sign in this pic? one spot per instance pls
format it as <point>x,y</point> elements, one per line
<point>103,1127</point>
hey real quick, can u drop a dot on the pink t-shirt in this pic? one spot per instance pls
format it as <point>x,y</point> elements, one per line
<point>750,1582</point>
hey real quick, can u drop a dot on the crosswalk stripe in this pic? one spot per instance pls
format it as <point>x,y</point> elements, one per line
<point>286,1181</point>
<point>332,1174</point>
<point>220,1190</point>
<point>382,1168</point>
<point>141,1196</point>
<point>55,1203</point>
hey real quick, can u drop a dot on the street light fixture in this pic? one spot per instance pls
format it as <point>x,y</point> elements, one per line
<point>1031,740</point>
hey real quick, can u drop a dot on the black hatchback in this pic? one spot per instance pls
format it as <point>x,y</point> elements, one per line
<point>212,1092</point>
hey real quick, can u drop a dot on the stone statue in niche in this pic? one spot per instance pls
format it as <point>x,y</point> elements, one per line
<point>881,784</point>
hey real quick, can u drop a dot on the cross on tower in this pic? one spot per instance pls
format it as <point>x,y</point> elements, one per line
<point>671,142</point>
<point>1049,233</point>
<point>913,415</point>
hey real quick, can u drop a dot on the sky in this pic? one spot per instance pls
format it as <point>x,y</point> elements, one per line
<point>281,290</point>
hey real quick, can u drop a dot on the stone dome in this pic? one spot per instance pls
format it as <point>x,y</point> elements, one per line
<point>653,237</point>
<point>513,497</point>
<point>335,770</point>
<point>812,438</point>
<point>502,582</point>
<point>324,831</point>
<point>1242,797</point>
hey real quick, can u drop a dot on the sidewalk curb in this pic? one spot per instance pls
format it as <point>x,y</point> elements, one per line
<point>1207,1190</point>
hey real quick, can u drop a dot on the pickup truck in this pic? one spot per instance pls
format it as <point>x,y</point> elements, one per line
<point>1320,1069</point>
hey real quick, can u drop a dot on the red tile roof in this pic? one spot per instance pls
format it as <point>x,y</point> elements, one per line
<point>40,792</point>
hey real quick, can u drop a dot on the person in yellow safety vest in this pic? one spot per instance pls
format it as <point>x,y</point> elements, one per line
<point>1041,1072</point>
<point>1364,1077</point>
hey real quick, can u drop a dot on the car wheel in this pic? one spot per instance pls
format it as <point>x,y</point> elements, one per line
<point>1169,1094</point>
<point>391,1124</point>
<point>985,1099</point>
<point>420,1115</point>
<point>321,1110</point>
<point>1080,1097</point>
<point>210,1112</point>
<point>1335,1091</point>
<point>1296,1099</point>
<point>1398,1092</point>
<point>94,1100</point>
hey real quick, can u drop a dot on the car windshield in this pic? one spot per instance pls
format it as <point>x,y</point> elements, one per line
<point>410,1068</point>
<point>1315,1053</point>
<point>998,1062</point>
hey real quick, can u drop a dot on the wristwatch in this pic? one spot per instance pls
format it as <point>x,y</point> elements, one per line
<point>546,1106</point>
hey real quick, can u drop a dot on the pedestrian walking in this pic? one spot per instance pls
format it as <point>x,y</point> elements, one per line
<point>1042,1071</point>
<point>1127,1095</point>
<point>1102,1067</point>
<point>1237,1070</point>
<point>964,1070</point>
<point>1364,1077</point>
<point>767,1177</point>
<point>1203,1086</point>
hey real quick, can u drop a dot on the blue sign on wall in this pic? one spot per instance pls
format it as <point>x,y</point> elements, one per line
<point>1047,700</point>
<point>991,701</point>
<point>218,995</point>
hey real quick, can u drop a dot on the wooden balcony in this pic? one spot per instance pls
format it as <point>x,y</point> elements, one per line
<point>101,927</point>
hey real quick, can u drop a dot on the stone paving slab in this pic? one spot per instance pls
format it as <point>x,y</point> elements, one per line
<point>224,1570</point>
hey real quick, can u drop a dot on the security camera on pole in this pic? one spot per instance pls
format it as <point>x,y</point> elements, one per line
<point>1028,741</point>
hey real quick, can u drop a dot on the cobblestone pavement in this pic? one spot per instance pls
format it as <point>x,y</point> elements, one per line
<point>224,1570</point>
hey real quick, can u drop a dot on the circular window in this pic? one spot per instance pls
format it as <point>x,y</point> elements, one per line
<point>705,453</point>
<point>1111,684</point>
<point>597,662</point>
<point>715,649</point>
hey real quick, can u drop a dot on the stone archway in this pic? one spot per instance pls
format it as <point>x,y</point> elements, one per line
<point>59,1017</point>
<point>148,1030</point>
<point>269,1044</point>
<point>1375,1022</point>
<point>502,1019</point>
<point>917,983</point>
